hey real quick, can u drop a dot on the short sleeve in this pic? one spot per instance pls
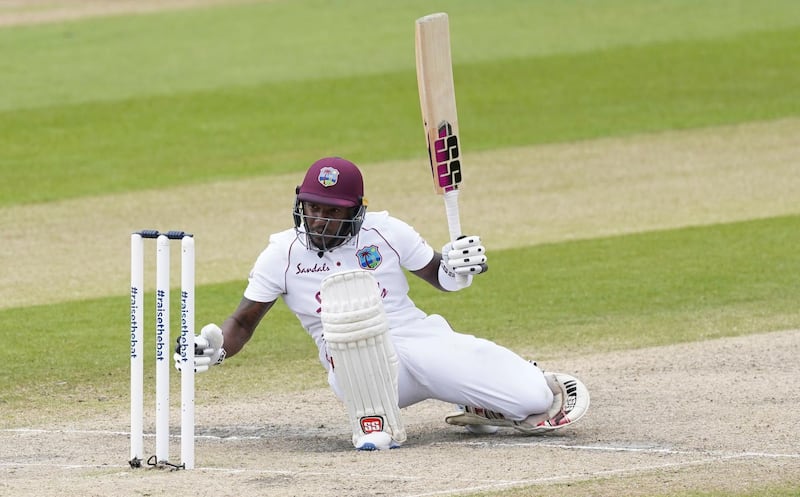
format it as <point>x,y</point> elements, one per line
<point>266,281</point>
<point>414,251</point>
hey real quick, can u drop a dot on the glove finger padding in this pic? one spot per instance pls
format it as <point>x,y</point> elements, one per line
<point>466,241</point>
<point>458,254</point>
<point>465,255</point>
<point>473,270</point>
<point>468,260</point>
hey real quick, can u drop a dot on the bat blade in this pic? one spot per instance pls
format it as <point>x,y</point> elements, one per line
<point>438,101</point>
<point>437,98</point>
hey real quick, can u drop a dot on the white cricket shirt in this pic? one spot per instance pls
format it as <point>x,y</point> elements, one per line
<point>384,246</point>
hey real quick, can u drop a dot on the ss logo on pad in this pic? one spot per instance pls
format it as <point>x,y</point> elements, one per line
<point>370,424</point>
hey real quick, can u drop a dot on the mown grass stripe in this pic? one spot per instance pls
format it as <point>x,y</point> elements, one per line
<point>603,294</point>
<point>221,46</point>
<point>75,150</point>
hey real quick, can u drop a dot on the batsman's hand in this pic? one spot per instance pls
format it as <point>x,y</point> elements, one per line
<point>208,350</point>
<point>465,256</point>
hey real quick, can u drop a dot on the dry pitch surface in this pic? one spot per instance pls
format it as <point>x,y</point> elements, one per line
<point>714,415</point>
<point>719,415</point>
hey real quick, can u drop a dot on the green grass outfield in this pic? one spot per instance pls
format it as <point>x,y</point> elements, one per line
<point>250,90</point>
<point>133,103</point>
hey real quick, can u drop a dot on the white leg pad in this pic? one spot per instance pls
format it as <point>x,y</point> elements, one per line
<point>364,360</point>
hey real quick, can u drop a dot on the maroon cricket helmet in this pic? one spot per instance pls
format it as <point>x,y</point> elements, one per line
<point>332,181</point>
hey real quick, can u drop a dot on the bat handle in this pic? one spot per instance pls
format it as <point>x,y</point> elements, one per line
<point>453,222</point>
<point>451,208</point>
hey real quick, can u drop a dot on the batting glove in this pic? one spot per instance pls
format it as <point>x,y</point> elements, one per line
<point>465,256</point>
<point>208,349</point>
<point>461,260</point>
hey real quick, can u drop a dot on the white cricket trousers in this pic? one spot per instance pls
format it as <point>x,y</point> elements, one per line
<point>436,362</point>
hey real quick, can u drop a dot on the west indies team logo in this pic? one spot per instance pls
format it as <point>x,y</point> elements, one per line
<point>328,176</point>
<point>369,257</point>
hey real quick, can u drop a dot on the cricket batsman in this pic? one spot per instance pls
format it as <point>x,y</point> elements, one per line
<point>340,269</point>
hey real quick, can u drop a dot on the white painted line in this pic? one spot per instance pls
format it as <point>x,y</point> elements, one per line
<point>616,448</point>
<point>545,444</point>
<point>566,478</point>
<point>120,434</point>
<point>481,486</point>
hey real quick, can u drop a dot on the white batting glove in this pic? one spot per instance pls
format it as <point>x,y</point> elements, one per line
<point>465,256</point>
<point>460,261</point>
<point>208,349</point>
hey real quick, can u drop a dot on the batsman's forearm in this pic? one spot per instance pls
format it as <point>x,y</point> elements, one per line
<point>430,272</point>
<point>235,336</point>
<point>240,326</point>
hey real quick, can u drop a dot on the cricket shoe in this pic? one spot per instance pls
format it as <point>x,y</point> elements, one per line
<point>570,403</point>
<point>477,420</point>
<point>377,440</point>
<point>478,428</point>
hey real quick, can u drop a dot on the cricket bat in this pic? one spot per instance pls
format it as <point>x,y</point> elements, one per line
<point>437,99</point>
